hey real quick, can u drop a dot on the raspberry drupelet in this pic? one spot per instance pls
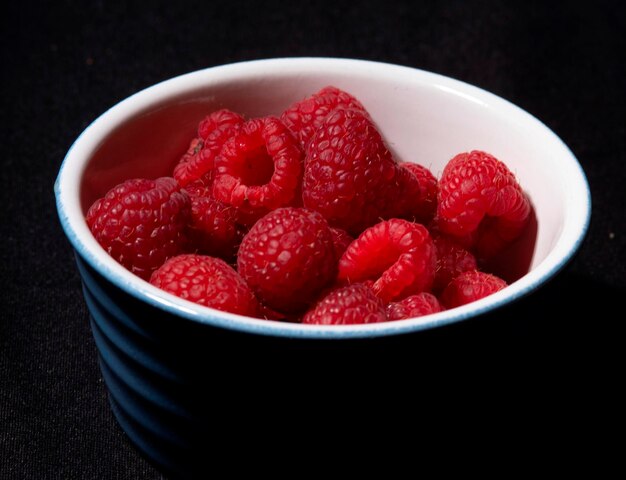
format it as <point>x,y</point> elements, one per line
<point>470,286</point>
<point>349,305</point>
<point>399,256</point>
<point>423,202</point>
<point>303,118</point>
<point>213,229</point>
<point>414,306</point>
<point>207,281</point>
<point>198,163</point>
<point>141,223</point>
<point>288,258</point>
<point>259,169</point>
<point>479,198</point>
<point>341,240</point>
<point>452,260</point>
<point>350,176</point>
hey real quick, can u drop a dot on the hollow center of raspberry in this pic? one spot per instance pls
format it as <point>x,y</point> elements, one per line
<point>379,261</point>
<point>257,167</point>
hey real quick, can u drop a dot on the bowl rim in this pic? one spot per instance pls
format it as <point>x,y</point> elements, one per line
<point>67,193</point>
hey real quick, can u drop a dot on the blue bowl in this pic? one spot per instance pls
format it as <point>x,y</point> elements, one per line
<point>169,364</point>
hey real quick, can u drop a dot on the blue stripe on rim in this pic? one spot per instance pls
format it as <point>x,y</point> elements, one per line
<point>273,328</point>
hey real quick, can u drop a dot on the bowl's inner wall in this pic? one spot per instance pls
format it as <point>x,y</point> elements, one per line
<point>421,121</point>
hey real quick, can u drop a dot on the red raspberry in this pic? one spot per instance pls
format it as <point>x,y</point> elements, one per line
<point>218,120</point>
<point>141,223</point>
<point>187,162</point>
<point>350,176</point>
<point>452,259</point>
<point>303,118</point>
<point>207,281</point>
<point>398,255</point>
<point>349,305</point>
<point>287,258</point>
<point>341,240</point>
<point>469,287</point>
<point>424,202</point>
<point>259,169</point>
<point>213,131</point>
<point>198,188</point>
<point>479,196</point>
<point>267,313</point>
<point>414,306</point>
<point>213,228</point>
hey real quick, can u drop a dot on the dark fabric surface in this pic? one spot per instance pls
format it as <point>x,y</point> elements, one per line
<point>64,64</point>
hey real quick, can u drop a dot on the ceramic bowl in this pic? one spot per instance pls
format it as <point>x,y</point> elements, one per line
<point>156,350</point>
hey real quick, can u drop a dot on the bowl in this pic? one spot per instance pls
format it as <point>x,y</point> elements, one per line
<point>160,354</point>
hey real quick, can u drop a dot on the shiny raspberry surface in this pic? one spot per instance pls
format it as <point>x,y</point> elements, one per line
<point>287,258</point>
<point>141,223</point>
<point>349,305</point>
<point>398,255</point>
<point>207,281</point>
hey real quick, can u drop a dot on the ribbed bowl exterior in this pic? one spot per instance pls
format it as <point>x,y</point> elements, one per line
<point>175,386</point>
<point>183,378</point>
<point>178,387</point>
<point>151,365</point>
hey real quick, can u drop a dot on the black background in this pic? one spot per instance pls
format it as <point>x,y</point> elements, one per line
<point>64,64</point>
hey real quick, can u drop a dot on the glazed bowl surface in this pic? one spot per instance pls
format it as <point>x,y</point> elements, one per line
<point>155,348</point>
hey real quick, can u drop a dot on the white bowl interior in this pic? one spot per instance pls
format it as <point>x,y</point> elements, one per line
<point>425,118</point>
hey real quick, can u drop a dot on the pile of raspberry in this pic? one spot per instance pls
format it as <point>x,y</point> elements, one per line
<point>308,217</point>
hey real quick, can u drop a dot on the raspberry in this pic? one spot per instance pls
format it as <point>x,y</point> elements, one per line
<point>479,196</point>
<point>259,169</point>
<point>341,240</point>
<point>303,118</point>
<point>218,120</point>
<point>141,223</point>
<point>424,202</point>
<point>414,306</point>
<point>287,258</point>
<point>266,313</point>
<point>207,281</point>
<point>183,171</point>
<point>213,228</point>
<point>452,259</point>
<point>352,304</point>
<point>398,255</point>
<point>198,161</point>
<point>469,287</point>
<point>199,188</point>
<point>350,176</point>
